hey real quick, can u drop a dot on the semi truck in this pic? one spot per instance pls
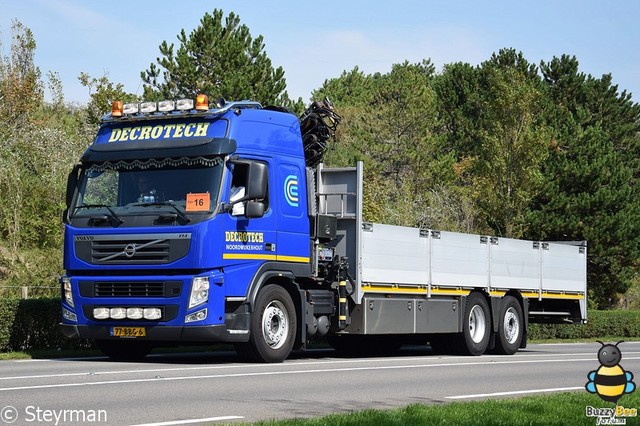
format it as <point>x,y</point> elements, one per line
<point>191,222</point>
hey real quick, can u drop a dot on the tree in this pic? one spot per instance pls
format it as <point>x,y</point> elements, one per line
<point>20,85</point>
<point>102,93</point>
<point>513,138</point>
<point>220,59</point>
<point>491,119</point>
<point>39,142</point>
<point>20,93</point>
<point>591,190</point>
<point>389,121</point>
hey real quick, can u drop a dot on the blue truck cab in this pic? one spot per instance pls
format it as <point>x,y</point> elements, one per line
<point>182,222</point>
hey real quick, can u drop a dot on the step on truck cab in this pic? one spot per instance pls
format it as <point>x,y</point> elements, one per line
<point>188,223</point>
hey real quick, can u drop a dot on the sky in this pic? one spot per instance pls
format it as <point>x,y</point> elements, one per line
<point>315,41</point>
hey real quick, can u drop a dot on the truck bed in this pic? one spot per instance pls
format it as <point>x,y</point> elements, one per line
<point>427,259</point>
<point>396,260</point>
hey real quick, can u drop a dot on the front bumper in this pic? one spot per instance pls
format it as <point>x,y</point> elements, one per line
<point>173,334</point>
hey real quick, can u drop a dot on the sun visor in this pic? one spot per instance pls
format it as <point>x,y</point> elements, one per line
<point>129,141</point>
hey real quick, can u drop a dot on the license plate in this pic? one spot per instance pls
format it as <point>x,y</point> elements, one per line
<point>128,331</point>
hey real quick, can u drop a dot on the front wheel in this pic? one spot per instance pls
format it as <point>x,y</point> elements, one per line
<point>510,327</point>
<point>476,326</point>
<point>273,326</point>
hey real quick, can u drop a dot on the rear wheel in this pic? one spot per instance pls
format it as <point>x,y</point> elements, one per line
<point>124,350</point>
<point>273,326</point>
<point>476,326</point>
<point>510,327</point>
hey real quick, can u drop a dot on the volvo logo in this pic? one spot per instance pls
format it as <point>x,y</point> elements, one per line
<point>129,250</point>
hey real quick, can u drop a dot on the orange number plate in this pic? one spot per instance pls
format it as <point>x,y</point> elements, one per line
<point>128,331</point>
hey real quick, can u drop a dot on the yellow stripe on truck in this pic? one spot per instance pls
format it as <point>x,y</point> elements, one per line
<point>252,256</point>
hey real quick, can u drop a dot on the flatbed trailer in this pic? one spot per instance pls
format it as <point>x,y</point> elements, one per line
<point>409,281</point>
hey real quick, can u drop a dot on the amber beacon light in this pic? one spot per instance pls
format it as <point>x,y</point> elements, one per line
<point>202,102</point>
<point>117,109</point>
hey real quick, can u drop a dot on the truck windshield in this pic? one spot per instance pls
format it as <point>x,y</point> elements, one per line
<point>187,188</point>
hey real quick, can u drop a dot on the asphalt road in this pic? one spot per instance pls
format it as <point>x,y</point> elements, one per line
<point>214,387</point>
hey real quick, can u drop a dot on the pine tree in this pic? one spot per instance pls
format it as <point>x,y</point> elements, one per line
<point>591,189</point>
<point>220,59</point>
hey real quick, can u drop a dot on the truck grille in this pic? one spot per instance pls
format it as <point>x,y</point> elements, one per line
<point>134,249</point>
<point>114,288</point>
<point>147,251</point>
<point>129,289</point>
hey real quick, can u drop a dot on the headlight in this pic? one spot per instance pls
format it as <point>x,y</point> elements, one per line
<point>199,291</point>
<point>66,290</point>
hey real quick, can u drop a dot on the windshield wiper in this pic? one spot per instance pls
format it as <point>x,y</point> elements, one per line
<point>112,213</point>
<point>180,213</point>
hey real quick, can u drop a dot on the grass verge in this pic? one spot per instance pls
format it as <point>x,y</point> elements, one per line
<point>565,409</point>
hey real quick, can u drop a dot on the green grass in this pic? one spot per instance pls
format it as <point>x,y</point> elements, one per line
<point>565,409</point>
<point>49,353</point>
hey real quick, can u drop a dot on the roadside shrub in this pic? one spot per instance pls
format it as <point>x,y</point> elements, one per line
<point>32,324</point>
<point>600,324</point>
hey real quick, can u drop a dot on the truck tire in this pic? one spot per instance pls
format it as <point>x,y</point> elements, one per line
<point>510,327</point>
<point>476,326</point>
<point>273,326</point>
<point>124,350</point>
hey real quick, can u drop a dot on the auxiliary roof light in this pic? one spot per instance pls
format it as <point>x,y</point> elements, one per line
<point>120,109</point>
<point>202,102</point>
<point>166,106</point>
<point>117,109</point>
<point>148,107</point>
<point>184,104</point>
<point>131,108</point>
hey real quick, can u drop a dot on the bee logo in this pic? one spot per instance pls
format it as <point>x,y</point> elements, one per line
<point>610,381</point>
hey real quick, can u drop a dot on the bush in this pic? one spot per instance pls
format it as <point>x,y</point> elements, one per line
<point>600,324</point>
<point>32,324</point>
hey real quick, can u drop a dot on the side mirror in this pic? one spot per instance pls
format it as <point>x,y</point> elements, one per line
<point>254,209</point>
<point>257,181</point>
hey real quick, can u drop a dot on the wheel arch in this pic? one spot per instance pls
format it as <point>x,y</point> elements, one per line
<point>287,280</point>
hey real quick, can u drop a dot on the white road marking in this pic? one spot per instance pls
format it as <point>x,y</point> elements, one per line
<point>84,358</point>
<point>288,372</point>
<point>522,392</point>
<point>191,421</point>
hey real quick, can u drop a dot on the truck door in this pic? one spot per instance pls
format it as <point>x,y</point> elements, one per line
<point>248,242</point>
